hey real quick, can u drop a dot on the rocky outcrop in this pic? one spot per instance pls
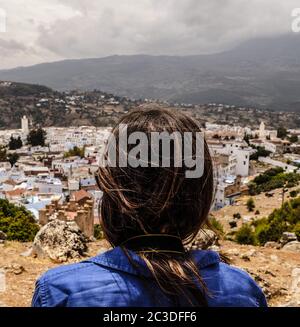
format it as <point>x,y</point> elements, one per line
<point>205,239</point>
<point>15,268</point>
<point>272,245</point>
<point>60,241</point>
<point>292,246</point>
<point>287,237</point>
<point>295,289</point>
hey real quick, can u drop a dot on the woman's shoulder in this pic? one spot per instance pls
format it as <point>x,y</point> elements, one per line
<point>239,288</point>
<point>54,287</point>
<point>232,286</point>
<point>95,281</point>
<point>76,284</point>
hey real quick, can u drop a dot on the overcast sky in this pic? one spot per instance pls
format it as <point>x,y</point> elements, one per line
<point>47,30</point>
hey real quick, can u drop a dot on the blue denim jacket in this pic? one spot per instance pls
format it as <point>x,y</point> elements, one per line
<point>110,280</point>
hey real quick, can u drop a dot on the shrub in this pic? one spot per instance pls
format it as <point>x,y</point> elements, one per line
<point>284,219</point>
<point>296,230</point>
<point>266,232</point>
<point>245,235</point>
<point>250,204</point>
<point>215,225</point>
<point>17,223</point>
<point>98,233</point>
<point>272,179</point>
<point>257,212</point>
<point>293,194</point>
<point>237,215</point>
<point>76,151</point>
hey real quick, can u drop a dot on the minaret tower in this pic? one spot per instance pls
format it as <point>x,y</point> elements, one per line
<point>262,131</point>
<point>25,125</point>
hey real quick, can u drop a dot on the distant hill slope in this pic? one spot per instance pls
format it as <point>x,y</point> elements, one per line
<point>8,89</point>
<point>46,107</point>
<point>262,72</point>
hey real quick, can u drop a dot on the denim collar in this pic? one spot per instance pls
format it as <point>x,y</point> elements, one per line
<point>116,259</point>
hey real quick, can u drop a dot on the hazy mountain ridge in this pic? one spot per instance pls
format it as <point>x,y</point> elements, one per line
<point>263,73</point>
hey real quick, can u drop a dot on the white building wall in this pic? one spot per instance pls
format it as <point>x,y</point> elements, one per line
<point>49,186</point>
<point>241,157</point>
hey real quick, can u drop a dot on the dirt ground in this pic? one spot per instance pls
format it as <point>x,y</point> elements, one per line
<point>275,270</point>
<point>20,285</point>
<point>265,205</point>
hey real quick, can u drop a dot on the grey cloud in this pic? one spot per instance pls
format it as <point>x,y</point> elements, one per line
<point>175,27</point>
<point>163,27</point>
<point>11,46</point>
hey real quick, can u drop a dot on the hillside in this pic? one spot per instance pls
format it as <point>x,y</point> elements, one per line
<point>275,271</point>
<point>11,89</point>
<point>46,107</point>
<point>264,73</point>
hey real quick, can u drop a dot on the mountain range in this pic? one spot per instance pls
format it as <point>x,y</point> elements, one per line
<point>263,73</point>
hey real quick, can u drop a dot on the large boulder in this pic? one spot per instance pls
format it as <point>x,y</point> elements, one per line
<point>287,237</point>
<point>292,246</point>
<point>60,241</point>
<point>205,239</point>
<point>15,268</point>
<point>272,245</point>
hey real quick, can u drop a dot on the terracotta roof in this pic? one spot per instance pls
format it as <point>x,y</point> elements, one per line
<point>18,191</point>
<point>80,195</point>
<point>10,182</point>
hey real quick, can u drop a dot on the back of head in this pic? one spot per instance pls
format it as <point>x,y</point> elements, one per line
<point>158,198</point>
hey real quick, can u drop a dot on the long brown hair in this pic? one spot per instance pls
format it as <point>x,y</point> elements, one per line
<point>159,200</point>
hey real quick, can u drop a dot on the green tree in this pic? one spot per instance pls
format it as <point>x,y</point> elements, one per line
<point>15,143</point>
<point>16,222</point>
<point>13,158</point>
<point>261,152</point>
<point>281,132</point>
<point>293,138</point>
<point>37,137</point>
